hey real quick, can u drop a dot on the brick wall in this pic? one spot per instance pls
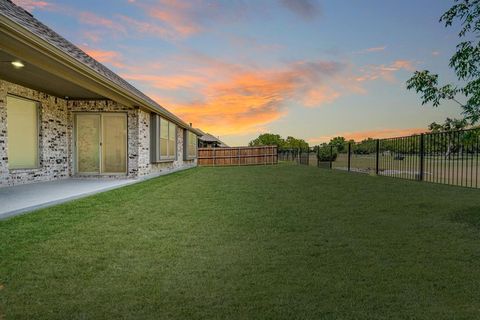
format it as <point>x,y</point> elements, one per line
<point>145,167</point>
<point>56,138</point>
<point>108,106</point>
<point>53,147</point>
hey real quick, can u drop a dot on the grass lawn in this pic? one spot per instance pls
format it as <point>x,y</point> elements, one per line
<point>275,242</point>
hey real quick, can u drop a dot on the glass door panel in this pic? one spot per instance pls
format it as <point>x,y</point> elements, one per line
<point>88,143</point>
<point>114,143</point>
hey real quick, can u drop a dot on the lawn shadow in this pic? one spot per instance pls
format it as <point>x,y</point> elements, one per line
<point>470,216</point>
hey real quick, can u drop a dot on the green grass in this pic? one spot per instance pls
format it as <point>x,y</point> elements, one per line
<point>276,242</point>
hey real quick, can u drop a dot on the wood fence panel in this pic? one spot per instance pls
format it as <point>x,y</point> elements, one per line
<point>237,156</point>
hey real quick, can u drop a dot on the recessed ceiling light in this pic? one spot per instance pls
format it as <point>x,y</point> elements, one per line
<point>18,64</point>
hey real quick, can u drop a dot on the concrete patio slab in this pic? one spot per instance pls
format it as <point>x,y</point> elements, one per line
<point>23,198</point>
<point>28,197</point>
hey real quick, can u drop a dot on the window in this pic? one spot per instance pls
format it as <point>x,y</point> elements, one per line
<point>190,145</point>
<point>22,130</point>
<point>172,140</point>
<point>163,139</point>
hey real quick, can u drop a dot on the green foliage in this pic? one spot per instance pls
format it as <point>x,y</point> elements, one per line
<point>366,146</point>
<point>338,143</point>
<point>270,139</point>
<point>427,84</point>
<point>449,125</point>
<point>294,143</point>
<point>325,152</point>
<point>465,63</point>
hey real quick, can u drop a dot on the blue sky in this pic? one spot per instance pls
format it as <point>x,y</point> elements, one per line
<point>306,68</point>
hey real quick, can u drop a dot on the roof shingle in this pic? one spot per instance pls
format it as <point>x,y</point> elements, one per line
<point>26,20</point>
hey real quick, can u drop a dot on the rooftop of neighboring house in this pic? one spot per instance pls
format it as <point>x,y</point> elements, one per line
<point>209,138</point>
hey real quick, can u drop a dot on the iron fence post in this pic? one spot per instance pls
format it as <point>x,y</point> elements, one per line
<point>331,157</point>
<point>318,156</point>
<point>349,155</point>
<point>377,159</point>
<point>422,156</point>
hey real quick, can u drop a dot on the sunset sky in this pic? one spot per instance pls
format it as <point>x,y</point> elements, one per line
<point>311,69</point>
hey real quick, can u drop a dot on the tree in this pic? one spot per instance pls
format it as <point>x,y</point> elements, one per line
<point>338,143</point>
<point>465,63</point>
<point>366,146</point>
<point>453,139</point>
<point>268,139</point>
<point>326,152</point>
<point>294,143</point>
<point>449,125</point>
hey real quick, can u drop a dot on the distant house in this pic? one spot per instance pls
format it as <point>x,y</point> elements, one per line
<point>63,114</point>
<point>207,140</point>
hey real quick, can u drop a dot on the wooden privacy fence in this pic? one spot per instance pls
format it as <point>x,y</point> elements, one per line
<point>237,156</point>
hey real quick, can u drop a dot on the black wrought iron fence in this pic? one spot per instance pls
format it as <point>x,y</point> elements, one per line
<point>289,154</point>
<point>443,157</point>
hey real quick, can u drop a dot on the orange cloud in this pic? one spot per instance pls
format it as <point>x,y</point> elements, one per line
<point>234,99</point>
<point>403,64</point>
<point>181,81</point>
<point>95,20</point>
<point>143,27</point>
<point>171,18</point>
<point>177,21</point>
<point>370,50</point>
<point>92,36</point>
<point>243,104</point>
<point>375,134</point>
<point>230,99</point>
<point>105,56</point>
<point>385,72</point>
<point>31,5</point>
<point>321,95</point>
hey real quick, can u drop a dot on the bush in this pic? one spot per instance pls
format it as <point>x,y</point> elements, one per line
<point>326,154</point>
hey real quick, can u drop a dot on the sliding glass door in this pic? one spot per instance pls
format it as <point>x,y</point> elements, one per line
<point>101,143</point>
<point>114,143</point>
<point>88,143</point>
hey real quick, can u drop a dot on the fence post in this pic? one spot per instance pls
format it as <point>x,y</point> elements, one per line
<point>422,157</point>
<point>377,159</point>
<point>331,157</point>
<point>318,156</point>
<point>349,155</point>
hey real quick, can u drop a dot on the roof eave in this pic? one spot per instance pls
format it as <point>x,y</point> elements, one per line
<point>87,78</point>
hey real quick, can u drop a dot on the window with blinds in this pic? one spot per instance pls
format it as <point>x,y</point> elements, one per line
<point>190,145</point>
<point>163,139</point>
<point>22,130</point>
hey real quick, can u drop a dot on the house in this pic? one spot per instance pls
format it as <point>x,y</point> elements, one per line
<point>206,140</point>
<point>63,114</point>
